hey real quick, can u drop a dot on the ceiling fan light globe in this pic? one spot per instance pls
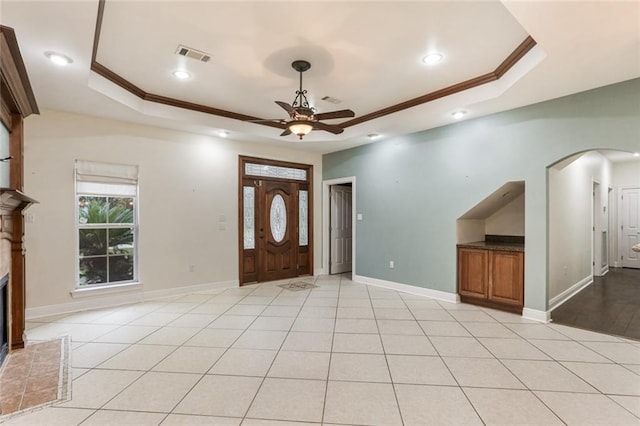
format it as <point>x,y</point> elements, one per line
<point>300,128</point>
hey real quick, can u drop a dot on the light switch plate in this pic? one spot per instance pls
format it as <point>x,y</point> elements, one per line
<point>359,216</point>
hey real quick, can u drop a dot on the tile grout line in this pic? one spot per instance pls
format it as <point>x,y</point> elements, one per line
<point>333,336</point>
<point>384,352</point>
<point>369,293</point>
<point>147,371</point>
<point>277,352</point>
<point>475,410</point>
<point>203,375</point>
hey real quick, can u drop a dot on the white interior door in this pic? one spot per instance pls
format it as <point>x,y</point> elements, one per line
<point>340,234</point>
<point>630,227</point>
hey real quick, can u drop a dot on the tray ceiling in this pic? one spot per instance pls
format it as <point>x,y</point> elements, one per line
<point>366,54</point>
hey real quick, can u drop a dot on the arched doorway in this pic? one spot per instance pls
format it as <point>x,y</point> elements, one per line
<point>593,210</point>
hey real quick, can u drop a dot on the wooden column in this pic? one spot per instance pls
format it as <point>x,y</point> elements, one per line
<point>12,204</point>
<point>18,293</point>
<point>17,101</point>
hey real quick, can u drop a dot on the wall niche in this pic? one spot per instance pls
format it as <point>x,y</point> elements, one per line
<point>490,250</point>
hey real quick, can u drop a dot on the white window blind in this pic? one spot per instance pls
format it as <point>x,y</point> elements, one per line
<point>106,178</point>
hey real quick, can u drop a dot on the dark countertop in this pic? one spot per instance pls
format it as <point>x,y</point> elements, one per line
<point>493,246</point>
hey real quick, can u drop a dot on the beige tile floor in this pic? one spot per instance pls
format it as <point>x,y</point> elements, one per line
<point>343,353</point>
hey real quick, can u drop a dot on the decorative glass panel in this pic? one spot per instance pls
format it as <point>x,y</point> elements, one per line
<point>278,218</point>
<point>249,217</point>
<point>303,217</point>
<point>274,171</point>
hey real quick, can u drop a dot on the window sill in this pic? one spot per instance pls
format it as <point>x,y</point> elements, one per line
<point>108,289</point>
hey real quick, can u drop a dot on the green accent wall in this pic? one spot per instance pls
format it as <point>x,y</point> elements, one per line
<point>411,189</point>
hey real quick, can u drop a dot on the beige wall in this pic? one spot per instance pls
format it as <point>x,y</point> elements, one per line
<point>187,184</point>
<point>626,173</point>
<point>570,218</point>
<point>509,220</point>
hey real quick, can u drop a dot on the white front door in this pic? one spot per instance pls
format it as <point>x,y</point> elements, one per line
<point>630,223</point>
<point>340,229</point>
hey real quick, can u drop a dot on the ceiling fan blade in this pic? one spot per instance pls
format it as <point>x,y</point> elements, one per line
<point>286,132</point>
<point>286,107</point>
<point>266,120</point>
<point>343,113</point>
<point>336,130</point>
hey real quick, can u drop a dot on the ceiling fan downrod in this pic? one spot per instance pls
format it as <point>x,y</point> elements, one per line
<point>301,99</point>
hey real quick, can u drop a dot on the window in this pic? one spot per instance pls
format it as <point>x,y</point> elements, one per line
<point>107,225</point>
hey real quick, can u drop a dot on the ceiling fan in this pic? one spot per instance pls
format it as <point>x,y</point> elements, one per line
<point>303,117</point>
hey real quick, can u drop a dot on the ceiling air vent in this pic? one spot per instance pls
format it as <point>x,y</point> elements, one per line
<point>331,100</point>
<point>193,53</point>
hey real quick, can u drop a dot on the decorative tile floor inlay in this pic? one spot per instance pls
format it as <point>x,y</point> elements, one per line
<point>35,376</point>
<point>298,286</point>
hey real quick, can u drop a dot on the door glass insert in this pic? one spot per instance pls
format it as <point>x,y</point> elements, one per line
<point>303,218</point>
<point>249,215</point>
<point>264,170</point>
<point>278,218</point>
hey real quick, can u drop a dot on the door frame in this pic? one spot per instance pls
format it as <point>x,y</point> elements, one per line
<point>596,225</point>
<point>242,159</point>
<point>610,229</point>
<point>326,212</point>
<point>619,224</point>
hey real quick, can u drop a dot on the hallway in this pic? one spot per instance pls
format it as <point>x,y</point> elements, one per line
<point>610,305</point>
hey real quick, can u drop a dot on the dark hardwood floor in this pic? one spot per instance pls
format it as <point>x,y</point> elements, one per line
<point>610,305</point>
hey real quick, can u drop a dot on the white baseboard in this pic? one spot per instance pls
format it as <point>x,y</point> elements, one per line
<point>558,300</point>
<point>411,289</point>
<point>177,291</point>
<point>85,304</point>
<point>535,315</point>
<point>134,296</point>
<point>319,271</point>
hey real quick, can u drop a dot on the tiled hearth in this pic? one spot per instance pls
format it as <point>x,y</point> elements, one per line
<point>33,376</point>
<point>341,353</point>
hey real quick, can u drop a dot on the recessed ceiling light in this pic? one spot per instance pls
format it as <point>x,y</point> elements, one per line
<point>181,74</point>
<point>373,136</point>
<point>223,133</point>
<point>636,154</point>
<point>459,114</point>
<point>58,58</point>
<point>433,58</point>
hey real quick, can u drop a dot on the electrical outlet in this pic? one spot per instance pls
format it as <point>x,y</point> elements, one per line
<point>391,264</point>
<point>29,217</point>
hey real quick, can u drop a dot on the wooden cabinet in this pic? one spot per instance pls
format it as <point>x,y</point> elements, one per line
<point>506,277</point>
<point>492,278</point>
<point>473,279</point>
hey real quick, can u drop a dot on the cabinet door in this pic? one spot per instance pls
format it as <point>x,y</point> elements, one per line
<point>506,277</point>
<point>472,273</point>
